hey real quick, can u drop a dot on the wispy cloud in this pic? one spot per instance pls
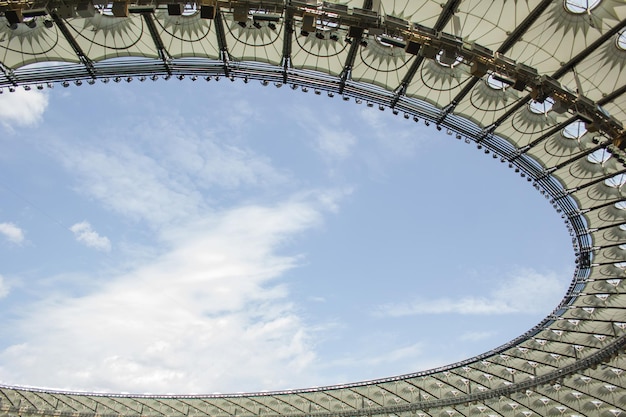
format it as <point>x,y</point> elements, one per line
<point>163,183</point>
<point>22,108</point>
<point>89,237</point>
<point>525,292</point>
<point>399,354</point>
<point>333,143</point>
<point>331,138</point>
<point>4,287</point>
<point>203,307</point>
<point>393,360</point>
<point>395,136</point>
<point>12,233</point>
<point>208,314</point>
<point>476,336</point>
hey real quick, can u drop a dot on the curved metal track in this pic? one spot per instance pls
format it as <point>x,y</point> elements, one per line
<point>540,85</point>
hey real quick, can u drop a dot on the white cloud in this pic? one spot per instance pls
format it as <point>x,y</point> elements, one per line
<point>4,287</point>
<point>12,233</point>
<point>22,108</point>
<point>525,292</point>
<point>89,237</point>
<point>161,178</point>
<point>476,336</point>
<point>337,144</point>
<point>394,360</point>
<point>203,308</point>
<point>208,314</point>
<point>396,136</point>
<point>328,132</point>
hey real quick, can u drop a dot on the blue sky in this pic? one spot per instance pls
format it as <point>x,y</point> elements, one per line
<point>195,237</point>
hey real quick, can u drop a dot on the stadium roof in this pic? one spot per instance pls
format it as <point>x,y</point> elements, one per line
<point>538,84</point>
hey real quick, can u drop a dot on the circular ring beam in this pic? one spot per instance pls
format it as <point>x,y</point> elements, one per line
<point>541,85</point>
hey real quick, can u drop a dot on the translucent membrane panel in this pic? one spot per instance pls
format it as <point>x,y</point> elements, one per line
<point>621,40</point>
<point>541,108</point>
<point>579,6</point>
<point>574,130</point>
<point>616,181</point>
<point>599,157</point>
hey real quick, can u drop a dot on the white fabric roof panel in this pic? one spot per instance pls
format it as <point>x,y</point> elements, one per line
<point>324,55</point>
<point>24,46</point>
<point>104,37</point>
<point>187,36</point>
<point>571,364</point>
<point>254,44</point>
<point>381,65</point>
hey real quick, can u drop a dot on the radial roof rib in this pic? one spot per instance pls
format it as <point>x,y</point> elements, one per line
<point>72,41</point>
<point>589,49</point>
<point>612,96</point>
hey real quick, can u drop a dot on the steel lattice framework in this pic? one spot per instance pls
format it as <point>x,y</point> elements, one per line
<point>539,84</point>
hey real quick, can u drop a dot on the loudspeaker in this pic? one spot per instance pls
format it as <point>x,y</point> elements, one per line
<point>519,85</point>
<point>207,12</point>
<point>14,16</point>
<point>119,9</point>
<point>308,22</point>
<point>85,9</point>
<point>478,69</point>
<point>355,32</point>
<point>66,12</point>
<point>429,51</point>
<point>240,13</point>
<point>592,127</point>
<point>559,107</point>
<point>373,5</point>
<point>412,48</point>
<point>174,9</point>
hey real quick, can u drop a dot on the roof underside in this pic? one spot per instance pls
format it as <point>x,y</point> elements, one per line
<point>573,363</point>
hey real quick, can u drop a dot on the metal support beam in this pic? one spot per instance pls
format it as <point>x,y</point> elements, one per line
<point>9,74</point>
<point>568,67</point>
<point>158,42</point>
<point>446,14</point>
<point>505,46</point>
<point>352,52</point>
<point>598,180</point>
<point>615,94</point>
<point>288,29</point>
<point>221,41</point>
<point>347,67</point>
<point>595,46</point>
<point>73,43</point>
